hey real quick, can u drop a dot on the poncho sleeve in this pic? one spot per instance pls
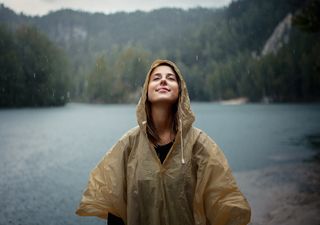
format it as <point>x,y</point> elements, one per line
<point>218,200</point>
<point>106,189</point>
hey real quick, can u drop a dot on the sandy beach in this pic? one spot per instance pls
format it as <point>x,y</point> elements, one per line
<point>287,194</point>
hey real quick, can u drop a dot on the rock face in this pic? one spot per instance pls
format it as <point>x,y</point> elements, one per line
<point>279,37</point>
<point>71,36</point>
<point>67,34</point>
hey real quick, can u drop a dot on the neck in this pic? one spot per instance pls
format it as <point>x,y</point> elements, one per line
<point>163,121</point>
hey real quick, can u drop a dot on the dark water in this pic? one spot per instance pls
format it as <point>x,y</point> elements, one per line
<point>46,154</point>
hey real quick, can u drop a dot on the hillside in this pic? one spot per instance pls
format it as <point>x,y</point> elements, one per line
<point>216,49</point>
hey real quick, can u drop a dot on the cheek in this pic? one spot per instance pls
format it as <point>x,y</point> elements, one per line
<point>149,91</point>
<point>176,90</point>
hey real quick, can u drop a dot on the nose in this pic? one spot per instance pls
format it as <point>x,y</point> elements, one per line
<point>163,81</point>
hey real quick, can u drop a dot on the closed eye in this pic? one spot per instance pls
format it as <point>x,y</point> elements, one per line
<point>171,77</point>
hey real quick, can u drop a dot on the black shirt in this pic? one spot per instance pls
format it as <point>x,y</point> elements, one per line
<point>162,152</point>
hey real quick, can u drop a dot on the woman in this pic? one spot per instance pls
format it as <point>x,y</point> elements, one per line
<point>165,171</point>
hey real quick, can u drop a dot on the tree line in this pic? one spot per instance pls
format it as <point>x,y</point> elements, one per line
<point>223,60</point>
<point>218,51</point>
<point>33,71</point>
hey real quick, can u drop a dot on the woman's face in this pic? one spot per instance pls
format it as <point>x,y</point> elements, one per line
<point>163,85</point>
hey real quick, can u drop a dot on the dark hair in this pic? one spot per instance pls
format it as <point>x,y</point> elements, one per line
<point>151,130</point>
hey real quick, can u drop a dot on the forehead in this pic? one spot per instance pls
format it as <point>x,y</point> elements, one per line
<point>163,69</point>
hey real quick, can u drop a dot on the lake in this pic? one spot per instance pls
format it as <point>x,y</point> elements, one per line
<point>46,154</point>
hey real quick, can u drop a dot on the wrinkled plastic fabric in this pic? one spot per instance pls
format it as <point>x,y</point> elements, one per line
<point>194,185</point>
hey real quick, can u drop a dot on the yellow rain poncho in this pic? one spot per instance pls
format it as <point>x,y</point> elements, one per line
<point>193,186</point>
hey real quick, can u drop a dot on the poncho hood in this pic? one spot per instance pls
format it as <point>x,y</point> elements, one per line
<point>185,114</point>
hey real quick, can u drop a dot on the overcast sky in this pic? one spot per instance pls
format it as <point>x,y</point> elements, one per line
<point>41,7</point>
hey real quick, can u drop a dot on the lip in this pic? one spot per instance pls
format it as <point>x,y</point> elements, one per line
<point>162,89</point>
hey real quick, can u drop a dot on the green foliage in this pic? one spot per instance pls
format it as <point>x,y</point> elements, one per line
<point>33,71</point>
<point>118,78</point>
<point>308,18</point>
<point>218,51</point>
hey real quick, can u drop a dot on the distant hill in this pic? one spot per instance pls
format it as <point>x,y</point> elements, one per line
<point>202,41</point>
<point>168,29</point>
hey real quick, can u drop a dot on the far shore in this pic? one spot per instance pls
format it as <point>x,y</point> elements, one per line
<point>234,101</point>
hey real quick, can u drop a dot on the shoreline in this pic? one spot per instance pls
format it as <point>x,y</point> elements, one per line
<point>287,194</point>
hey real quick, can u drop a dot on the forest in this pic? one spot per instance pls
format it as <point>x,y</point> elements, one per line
<point>264,51</point>
<point>33,71</point>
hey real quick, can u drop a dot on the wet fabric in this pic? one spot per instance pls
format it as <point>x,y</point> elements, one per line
<point>194,185</point>
<point>162,152</point>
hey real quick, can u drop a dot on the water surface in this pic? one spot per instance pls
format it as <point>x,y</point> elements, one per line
<point>46,154</point>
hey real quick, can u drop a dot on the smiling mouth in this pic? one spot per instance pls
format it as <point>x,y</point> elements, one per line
<point>162,89</point>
